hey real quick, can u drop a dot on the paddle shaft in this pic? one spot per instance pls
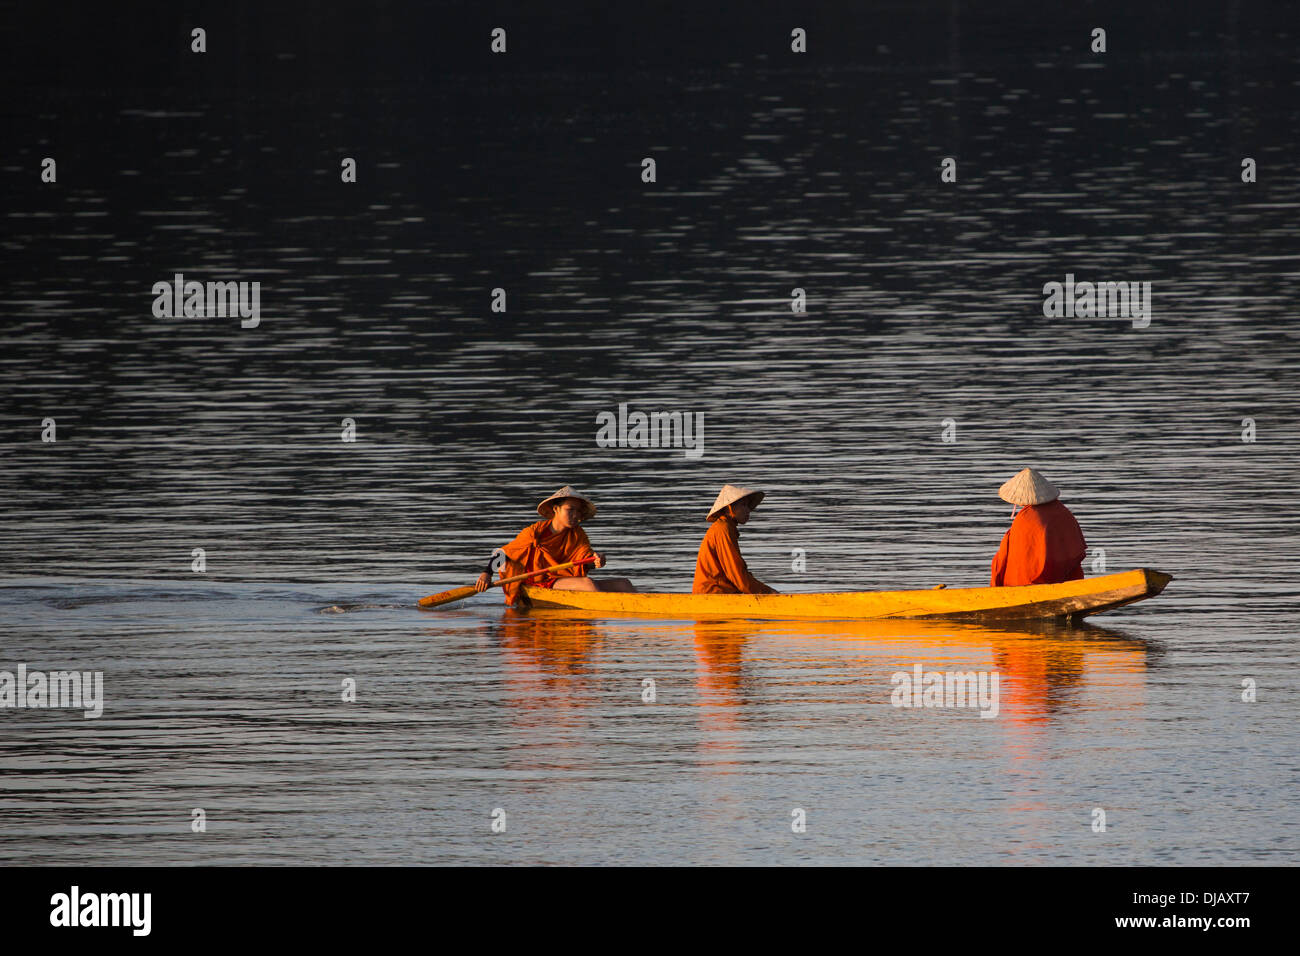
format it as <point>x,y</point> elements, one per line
<point>456,594</point>
<point>530,574</point>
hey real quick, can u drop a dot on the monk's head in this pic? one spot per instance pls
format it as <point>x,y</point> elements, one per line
<point>739,510</point>
<point>569,513</point>
<point>734,502</point>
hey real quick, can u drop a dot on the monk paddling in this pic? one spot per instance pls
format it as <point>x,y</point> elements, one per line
<point>1044,544</point>
<point>719,568</point>
<point>556,539</point>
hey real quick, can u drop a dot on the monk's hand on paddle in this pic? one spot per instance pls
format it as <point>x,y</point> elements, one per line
<point>484,582</point>
<point>600,561</point>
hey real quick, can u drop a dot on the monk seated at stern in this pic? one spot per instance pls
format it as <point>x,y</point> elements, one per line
<point>1044,544</point>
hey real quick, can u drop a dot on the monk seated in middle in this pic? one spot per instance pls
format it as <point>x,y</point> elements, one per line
<point>719,568</point>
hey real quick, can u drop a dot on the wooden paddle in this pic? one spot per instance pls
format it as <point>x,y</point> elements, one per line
<point>455,594</point>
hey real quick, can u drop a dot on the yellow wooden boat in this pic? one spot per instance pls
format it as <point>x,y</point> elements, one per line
<point>1069,601</point>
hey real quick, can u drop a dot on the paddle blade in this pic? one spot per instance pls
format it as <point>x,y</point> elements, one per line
<point>446,597</point>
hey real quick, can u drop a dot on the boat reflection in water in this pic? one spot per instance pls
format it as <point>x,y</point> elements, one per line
<point>551,689</point>
<point>576,683</point>
<point>556,647</point>
<point>720,690</point>
<point>741,705</point>
<point>1043,672</point>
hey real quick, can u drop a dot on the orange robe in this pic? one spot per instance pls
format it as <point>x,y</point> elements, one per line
<point>719,568</point>
<point>540,546</point>
<point>1044,545</point>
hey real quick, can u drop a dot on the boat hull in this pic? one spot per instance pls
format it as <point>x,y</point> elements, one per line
<point>1071,600</point>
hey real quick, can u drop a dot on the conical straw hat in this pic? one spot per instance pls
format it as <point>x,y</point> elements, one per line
<point>547,507</point>
<point>1028,487</point>
<point>729,495</point>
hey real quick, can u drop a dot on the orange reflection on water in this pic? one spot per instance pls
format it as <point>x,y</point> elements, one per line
<point>547,648</point>
<point>719,680</point>
<point>1044,674</point>
<point>550,681</point>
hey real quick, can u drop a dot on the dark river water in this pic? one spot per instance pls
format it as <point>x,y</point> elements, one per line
<point>880,422</point>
